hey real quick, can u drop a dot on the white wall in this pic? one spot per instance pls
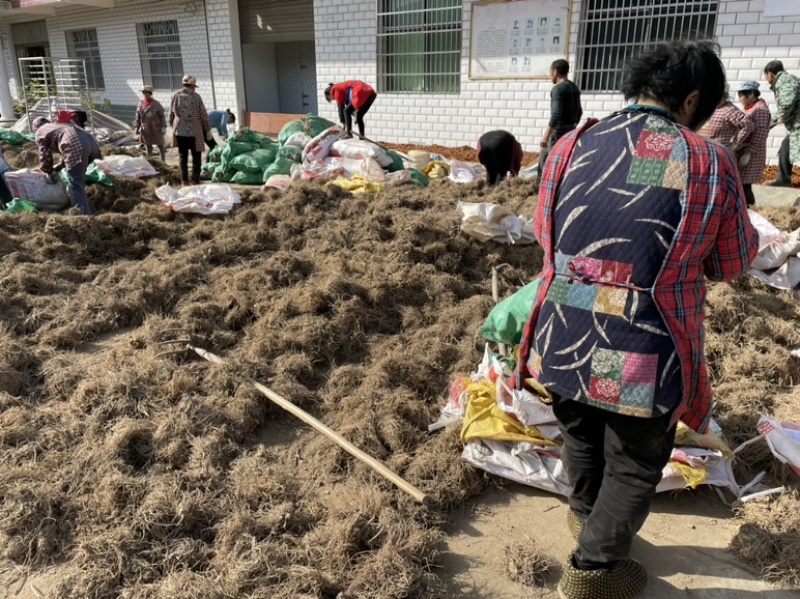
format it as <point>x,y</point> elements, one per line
<point>346,49</point>
<point>119,48</point>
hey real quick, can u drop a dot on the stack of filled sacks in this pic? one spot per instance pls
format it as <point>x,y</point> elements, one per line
<point>514,433</point>
<point>242,160</point>
<point>354,164</point>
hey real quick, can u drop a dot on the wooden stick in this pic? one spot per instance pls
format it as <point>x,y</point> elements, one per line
<point>287,405</point>
<point>496,298</point>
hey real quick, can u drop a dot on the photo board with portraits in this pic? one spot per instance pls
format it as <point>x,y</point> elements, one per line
<point>517,39</point>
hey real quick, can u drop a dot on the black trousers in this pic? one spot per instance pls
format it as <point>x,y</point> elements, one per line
<point>211,143</point>
<point>784,161</point>
<point>496,161</point>
<point>559,132</point>
<point>748,194</point>
<point>349,112</point>
<point>614,464</point>
<point>5,194</point>
<point>185,146</point>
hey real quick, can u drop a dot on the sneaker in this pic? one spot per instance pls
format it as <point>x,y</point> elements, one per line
<point>625,581</point>
<point>778,183</point>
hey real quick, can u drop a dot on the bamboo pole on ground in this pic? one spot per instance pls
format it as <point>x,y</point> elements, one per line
<point>287,405</point>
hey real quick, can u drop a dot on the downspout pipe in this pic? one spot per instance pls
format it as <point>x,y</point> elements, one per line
<point>210,63</point>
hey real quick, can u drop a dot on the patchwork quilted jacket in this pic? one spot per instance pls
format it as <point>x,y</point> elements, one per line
<point>634,213</point>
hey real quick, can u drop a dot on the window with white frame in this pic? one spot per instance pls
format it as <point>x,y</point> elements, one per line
<point>160,51</point>
<point>82,43</point>
<point>611,31</point>
<point>419,45</point>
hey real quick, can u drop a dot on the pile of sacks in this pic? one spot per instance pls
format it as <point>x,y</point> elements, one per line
<point>514,434</point>
<point>312,148</point>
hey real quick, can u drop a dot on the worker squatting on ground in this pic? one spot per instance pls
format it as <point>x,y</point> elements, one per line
<point>151,123</point>
<point>786,88</point>
<point>353,98</point>
<point>631,220</point>
<point>754,158</point>
<point>190,128</point>
<point>565,109</point>
<point>219,119</point>
<point>77,148</point>
<point>500,153</point>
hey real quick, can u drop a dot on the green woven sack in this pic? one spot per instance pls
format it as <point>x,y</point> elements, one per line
<point>397,162</point>
<point>222,175</point>
<point>215,155</point>
<point>281,166</point>
<point>293,153</point>
<point>245,178</point>
<point>11,137</point>
<point>507,319</point>
<point>233,149</point>
<point>418,177</point>
<point>254,162</point>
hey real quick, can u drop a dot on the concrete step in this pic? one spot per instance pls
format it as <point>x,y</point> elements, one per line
<point>775,196</point>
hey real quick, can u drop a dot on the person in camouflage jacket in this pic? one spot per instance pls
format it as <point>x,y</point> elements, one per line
<point>786,88</point>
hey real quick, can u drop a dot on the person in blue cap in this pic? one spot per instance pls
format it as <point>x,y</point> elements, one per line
<point>754,154</point>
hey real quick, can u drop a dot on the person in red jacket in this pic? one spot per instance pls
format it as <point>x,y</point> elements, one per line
<point>352,97</point>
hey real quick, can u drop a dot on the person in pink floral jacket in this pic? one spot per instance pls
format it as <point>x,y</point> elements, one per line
<point>188,118</point>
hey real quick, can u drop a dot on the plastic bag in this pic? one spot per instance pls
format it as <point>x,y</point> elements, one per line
<point>507,319</point>
<point>125,166</point>
<point>290,129</point>
<point>299,139</point>
<point>254,162</point>
<point>492,222</point>
<point>245,178</point>
<point>199,199</point>
<point>11,137</point>
<point>462,172</point>
<point>358,148</point>
<point>32,185</point>
<point>316,170</point>
<point>436,169</point>
<point>94,174</point>
<point>319,147</point>
<point>280,182</point>
<point>16,206</point>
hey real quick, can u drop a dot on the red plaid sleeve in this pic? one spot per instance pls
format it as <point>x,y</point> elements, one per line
<point>737,240</point>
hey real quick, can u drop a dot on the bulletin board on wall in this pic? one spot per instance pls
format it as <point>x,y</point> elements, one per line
<point>517,39</point>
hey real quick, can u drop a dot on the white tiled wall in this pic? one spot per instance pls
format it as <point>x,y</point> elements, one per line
<point>119,48</point>
<point>346,49</point>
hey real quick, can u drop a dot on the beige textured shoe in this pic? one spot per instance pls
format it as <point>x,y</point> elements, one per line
<point>574,524</point>
<point>626,580</point>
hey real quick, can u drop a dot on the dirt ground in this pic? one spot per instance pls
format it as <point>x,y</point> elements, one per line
<point>129,472</point>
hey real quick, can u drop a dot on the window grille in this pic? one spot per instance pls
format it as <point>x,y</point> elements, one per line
<point>83,44</point>
<point>419,45</point>
<point>611,31</point>
<point>160,52</point>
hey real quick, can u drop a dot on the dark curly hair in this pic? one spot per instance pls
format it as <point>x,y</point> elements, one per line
<point>671,71</point>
